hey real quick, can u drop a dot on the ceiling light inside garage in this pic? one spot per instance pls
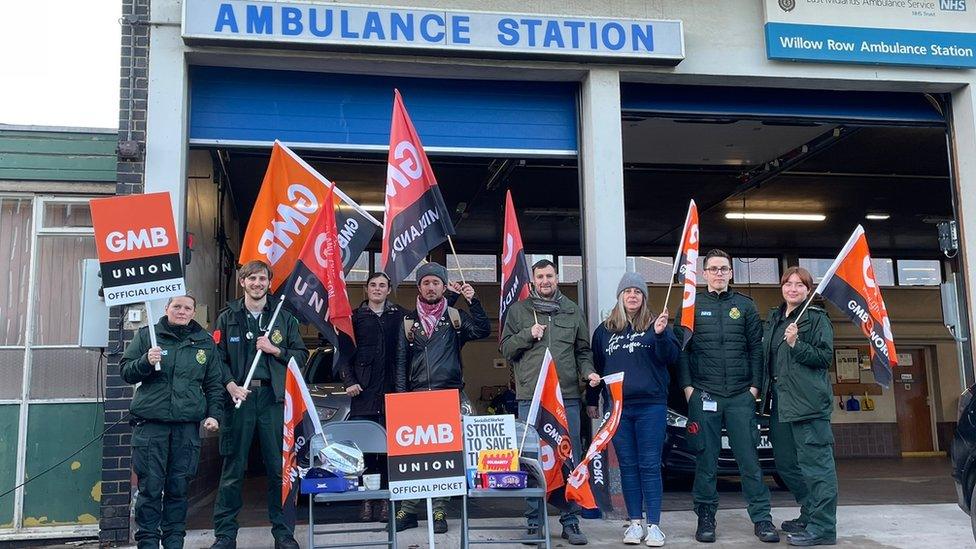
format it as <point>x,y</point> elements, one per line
<point>769,216</point>
<point>877,216</point>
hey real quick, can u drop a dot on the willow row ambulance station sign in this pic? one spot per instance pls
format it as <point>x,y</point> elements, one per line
<point>463,32</point>
<point>425,444</point>
<point>138,251</point>
<point>935,33</point>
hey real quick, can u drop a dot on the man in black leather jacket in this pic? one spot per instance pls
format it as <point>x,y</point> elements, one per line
<point>428,356</point>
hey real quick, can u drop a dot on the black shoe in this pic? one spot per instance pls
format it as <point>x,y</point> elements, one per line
<point>806,539</point>
<point>571,533</point>
<point>224,542</point>
<point>766,532</point>
<point>440,522</point>
<point>405,520</point>
<point>532,532</point>
<point>793,526</point>
<point>286,543</point>
<point>706,528</point>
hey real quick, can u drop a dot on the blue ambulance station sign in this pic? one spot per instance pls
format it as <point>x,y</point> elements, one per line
<point>446,31</point>
<point>935,33</point>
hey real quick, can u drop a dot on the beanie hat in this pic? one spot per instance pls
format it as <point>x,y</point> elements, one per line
<point>431,269</point>
<point>632,280</point>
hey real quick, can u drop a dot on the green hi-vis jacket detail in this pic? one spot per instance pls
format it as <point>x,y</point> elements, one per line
<point>237,350</point>
<point>568,341</point>
<point>724,356</point>
<point>802,385</point>
<point>187,387</point>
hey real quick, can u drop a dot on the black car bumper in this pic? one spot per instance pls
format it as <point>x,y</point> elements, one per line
<point>678,460</point>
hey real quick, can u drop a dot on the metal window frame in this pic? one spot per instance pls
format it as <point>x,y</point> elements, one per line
<point>38,201</point>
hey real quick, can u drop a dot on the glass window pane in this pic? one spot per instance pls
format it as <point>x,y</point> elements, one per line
<point>65,373</point>
<point>11,373</point>
<point>360,269</point>
<point>58,284</point>
<point>15,228</point>
<point>477,267</point>
<point>919,272</point>
<point>66,215</point>
<point>755,270</point>
<point>530,259</point>
<point>412,277</point>
<point>884,271</point>
<point>570,268</point>
<point>817,267</point>
<point>655,270</point>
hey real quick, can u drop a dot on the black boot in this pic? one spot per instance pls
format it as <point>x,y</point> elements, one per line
<point>706,525</point>
<point>766,532</point>
<point>366,511</point>
<point>224,542</point>
<point>806,539</point>
<point>405,520</point>
<point>793,526</point>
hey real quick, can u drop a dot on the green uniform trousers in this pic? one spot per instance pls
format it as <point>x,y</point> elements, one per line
<point>164,458</point>
<point>804,452</point>
<point>261,413</point>
<point>738,414</point>
<point>437,504</point>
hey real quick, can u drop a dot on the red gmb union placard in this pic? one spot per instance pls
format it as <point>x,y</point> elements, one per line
<point>425,444</point>
<point>138,248</point>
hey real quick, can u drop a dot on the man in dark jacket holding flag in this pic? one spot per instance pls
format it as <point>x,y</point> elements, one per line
<point>428,357</point>
<point>239,333</point>
<point>166,413</point>
<point>721,373</point>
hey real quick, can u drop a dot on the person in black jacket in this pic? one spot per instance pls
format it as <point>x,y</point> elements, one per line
<point>721,373</point>
<point>371,373</point>
<point>429,356</point>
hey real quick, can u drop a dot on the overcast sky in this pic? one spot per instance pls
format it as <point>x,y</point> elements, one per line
<point>59,62</point>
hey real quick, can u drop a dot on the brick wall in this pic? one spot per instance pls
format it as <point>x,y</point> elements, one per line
<point>116,449</point>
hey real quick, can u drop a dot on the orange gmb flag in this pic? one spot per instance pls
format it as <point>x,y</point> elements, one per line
<point>686,263</point>
<point>578,486</point>
<point>289,201</point>
<point>850,284</point>
<point>300,426</point>
<point>547,414</point>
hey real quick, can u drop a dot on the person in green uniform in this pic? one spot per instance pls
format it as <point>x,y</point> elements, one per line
<point>239,333</point>
<point>721,373</point>
<point>798,352</point>
<point>166,412</point>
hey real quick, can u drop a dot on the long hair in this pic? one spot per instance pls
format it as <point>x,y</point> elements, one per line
<point>617,320</point>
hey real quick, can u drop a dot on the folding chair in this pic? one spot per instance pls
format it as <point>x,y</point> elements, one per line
<point>371,439</point>
<point>528,462</point>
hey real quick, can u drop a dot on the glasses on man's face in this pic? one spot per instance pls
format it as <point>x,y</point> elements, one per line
<point>718,270</point>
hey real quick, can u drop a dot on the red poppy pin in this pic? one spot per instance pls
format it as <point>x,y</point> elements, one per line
<point>693,428</point>
<point>216,336</point>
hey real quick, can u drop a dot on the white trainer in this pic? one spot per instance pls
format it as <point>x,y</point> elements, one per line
<point>633,534</point>
<point>655,537</point>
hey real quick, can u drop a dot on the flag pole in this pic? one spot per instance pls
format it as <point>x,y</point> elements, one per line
<point>803,310</point>
<point>257,355</point>
<point>677,255</point>
<point>456,258</point>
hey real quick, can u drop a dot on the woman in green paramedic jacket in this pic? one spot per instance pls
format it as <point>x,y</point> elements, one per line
<point>798,351</point>
<point>166,412</point>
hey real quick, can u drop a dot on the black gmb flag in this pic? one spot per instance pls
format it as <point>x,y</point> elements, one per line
<point>316,289</point>
<point>416,218</point>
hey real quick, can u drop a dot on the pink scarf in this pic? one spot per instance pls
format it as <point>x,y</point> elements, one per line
<point>430,315</point>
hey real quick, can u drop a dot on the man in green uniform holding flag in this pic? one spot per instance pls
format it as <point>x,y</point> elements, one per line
<point>721,373</point>
<point>240,332</point>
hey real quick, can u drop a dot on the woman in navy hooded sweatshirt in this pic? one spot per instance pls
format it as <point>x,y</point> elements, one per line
<point>634,341</point>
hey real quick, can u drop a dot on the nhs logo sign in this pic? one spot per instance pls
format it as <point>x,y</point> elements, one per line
<point>952,5</point>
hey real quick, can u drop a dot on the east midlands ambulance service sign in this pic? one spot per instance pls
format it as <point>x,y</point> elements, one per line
<point>936,33</point>
<point>459,32</point>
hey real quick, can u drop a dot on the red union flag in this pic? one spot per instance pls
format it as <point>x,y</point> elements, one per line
<point>850,284</point>
<point>515,271</point>
<point>686,263</point>
<point>301,426</point>
<point>548,415</point>
<point>316,290</point>
<point>416,218</point>
<point>578,487</point>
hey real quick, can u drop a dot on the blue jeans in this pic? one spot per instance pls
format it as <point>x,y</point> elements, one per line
<point>638,442</point>
<point>569,510</point>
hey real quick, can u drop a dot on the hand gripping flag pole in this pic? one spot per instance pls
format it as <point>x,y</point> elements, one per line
<point>257,355</point>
